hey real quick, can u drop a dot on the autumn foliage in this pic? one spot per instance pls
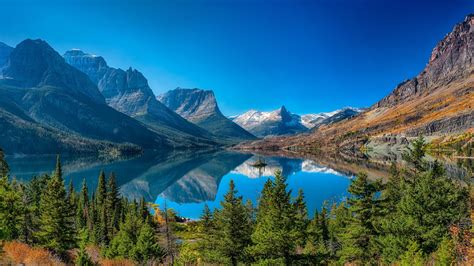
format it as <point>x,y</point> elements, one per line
<point>21,253</point>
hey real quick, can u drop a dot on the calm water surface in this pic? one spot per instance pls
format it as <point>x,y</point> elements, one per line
<point>187,181</point>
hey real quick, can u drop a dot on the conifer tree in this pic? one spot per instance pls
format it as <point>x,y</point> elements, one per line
<point>274,235</point>
<point>101,192</point>
<point>11,210</point>
<point>206,220</point>
<point>4,168</point>
<point>233,226</point>
<point>82,214</point>
<point>56,220</point>
<point>364,206</point>
<point>300,219</point>
<point>82,258</point>
<point>147,250</point>
<point>113,206</point>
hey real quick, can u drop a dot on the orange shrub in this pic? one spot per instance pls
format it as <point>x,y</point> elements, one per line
<point>16,251</point>
<point>116,262</point>
<point>22,253</point>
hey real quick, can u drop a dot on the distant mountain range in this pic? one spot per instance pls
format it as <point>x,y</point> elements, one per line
<point>48,106</point>
<point>79,104</point>
<point>283,122</point>
<point>438,103</point>
<point>76,103</point>
<point>200,107</point>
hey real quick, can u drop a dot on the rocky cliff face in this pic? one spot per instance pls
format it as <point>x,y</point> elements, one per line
<point>450,60</point>
<point>193,104</point>
<point>128,92</point>
<point>200,107</point>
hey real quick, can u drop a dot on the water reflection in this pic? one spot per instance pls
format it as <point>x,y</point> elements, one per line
<point>188,180</point>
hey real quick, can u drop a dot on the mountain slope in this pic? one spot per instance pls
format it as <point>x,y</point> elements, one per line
<point>200,107</point>
<point>315,120</point>
<point>128,92</point>
<point>438,102</point>
<point>278,122</point>
<point>5,51</point>
<point>49,94</point>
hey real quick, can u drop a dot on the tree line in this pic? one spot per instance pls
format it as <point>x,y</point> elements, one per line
<point>44,213</point>
<point>418,216</point>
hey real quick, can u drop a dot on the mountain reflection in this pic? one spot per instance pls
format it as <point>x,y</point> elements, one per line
<point>195,177</point>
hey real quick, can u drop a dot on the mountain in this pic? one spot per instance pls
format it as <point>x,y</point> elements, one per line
<point>314,120</point>
<point>5,51</point>
<point>48,105</point>
<point>438,102</point>
<point>200,107</point>
<point>128,91</point>
<point>278,122</point>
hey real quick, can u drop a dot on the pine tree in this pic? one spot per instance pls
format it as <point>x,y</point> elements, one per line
<point>101,192</point>
<point>206,220</point>
<point>4,168</point>
<point>416,153</point>
<point>113,206</point>
<point>56,221</point>
<point>11,210</point>
<point>82,213</point>
<point>147,249</point>
<point>424,212</point>
<point>274,235</point>
<point>233,226</point>
<point>300,219</point>
<point>82,258</point>
<point>360,234</point>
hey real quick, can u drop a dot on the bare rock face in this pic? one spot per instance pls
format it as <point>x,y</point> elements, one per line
<point>200,107</point>
<point>128,91</point>
<point>450,60</point>
<point>193,104</point>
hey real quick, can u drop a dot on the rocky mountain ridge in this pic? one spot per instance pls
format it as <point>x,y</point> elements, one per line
<point>200,107</point>
<point>437,103</point>
<point>128,91</point>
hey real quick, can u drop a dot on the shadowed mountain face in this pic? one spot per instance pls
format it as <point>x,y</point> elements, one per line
<point>5,51</point>
<point>128,92</point>
<point>48,106</point>
<point>438,102</point>
<point>200,107</point>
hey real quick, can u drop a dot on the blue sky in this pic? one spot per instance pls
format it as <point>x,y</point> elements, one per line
<point>310,56</point>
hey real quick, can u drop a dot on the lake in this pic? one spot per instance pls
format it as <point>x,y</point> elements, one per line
<point>186,181</point>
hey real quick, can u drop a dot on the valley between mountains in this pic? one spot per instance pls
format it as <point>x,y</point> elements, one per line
<point>77,103</point>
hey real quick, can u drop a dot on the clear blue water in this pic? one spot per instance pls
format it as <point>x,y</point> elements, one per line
<point>188,181</point>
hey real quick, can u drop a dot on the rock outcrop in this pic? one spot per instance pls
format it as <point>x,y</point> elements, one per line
<point>200,107</point>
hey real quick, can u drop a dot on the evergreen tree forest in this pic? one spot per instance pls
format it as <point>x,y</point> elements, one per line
<point>417,217</point>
